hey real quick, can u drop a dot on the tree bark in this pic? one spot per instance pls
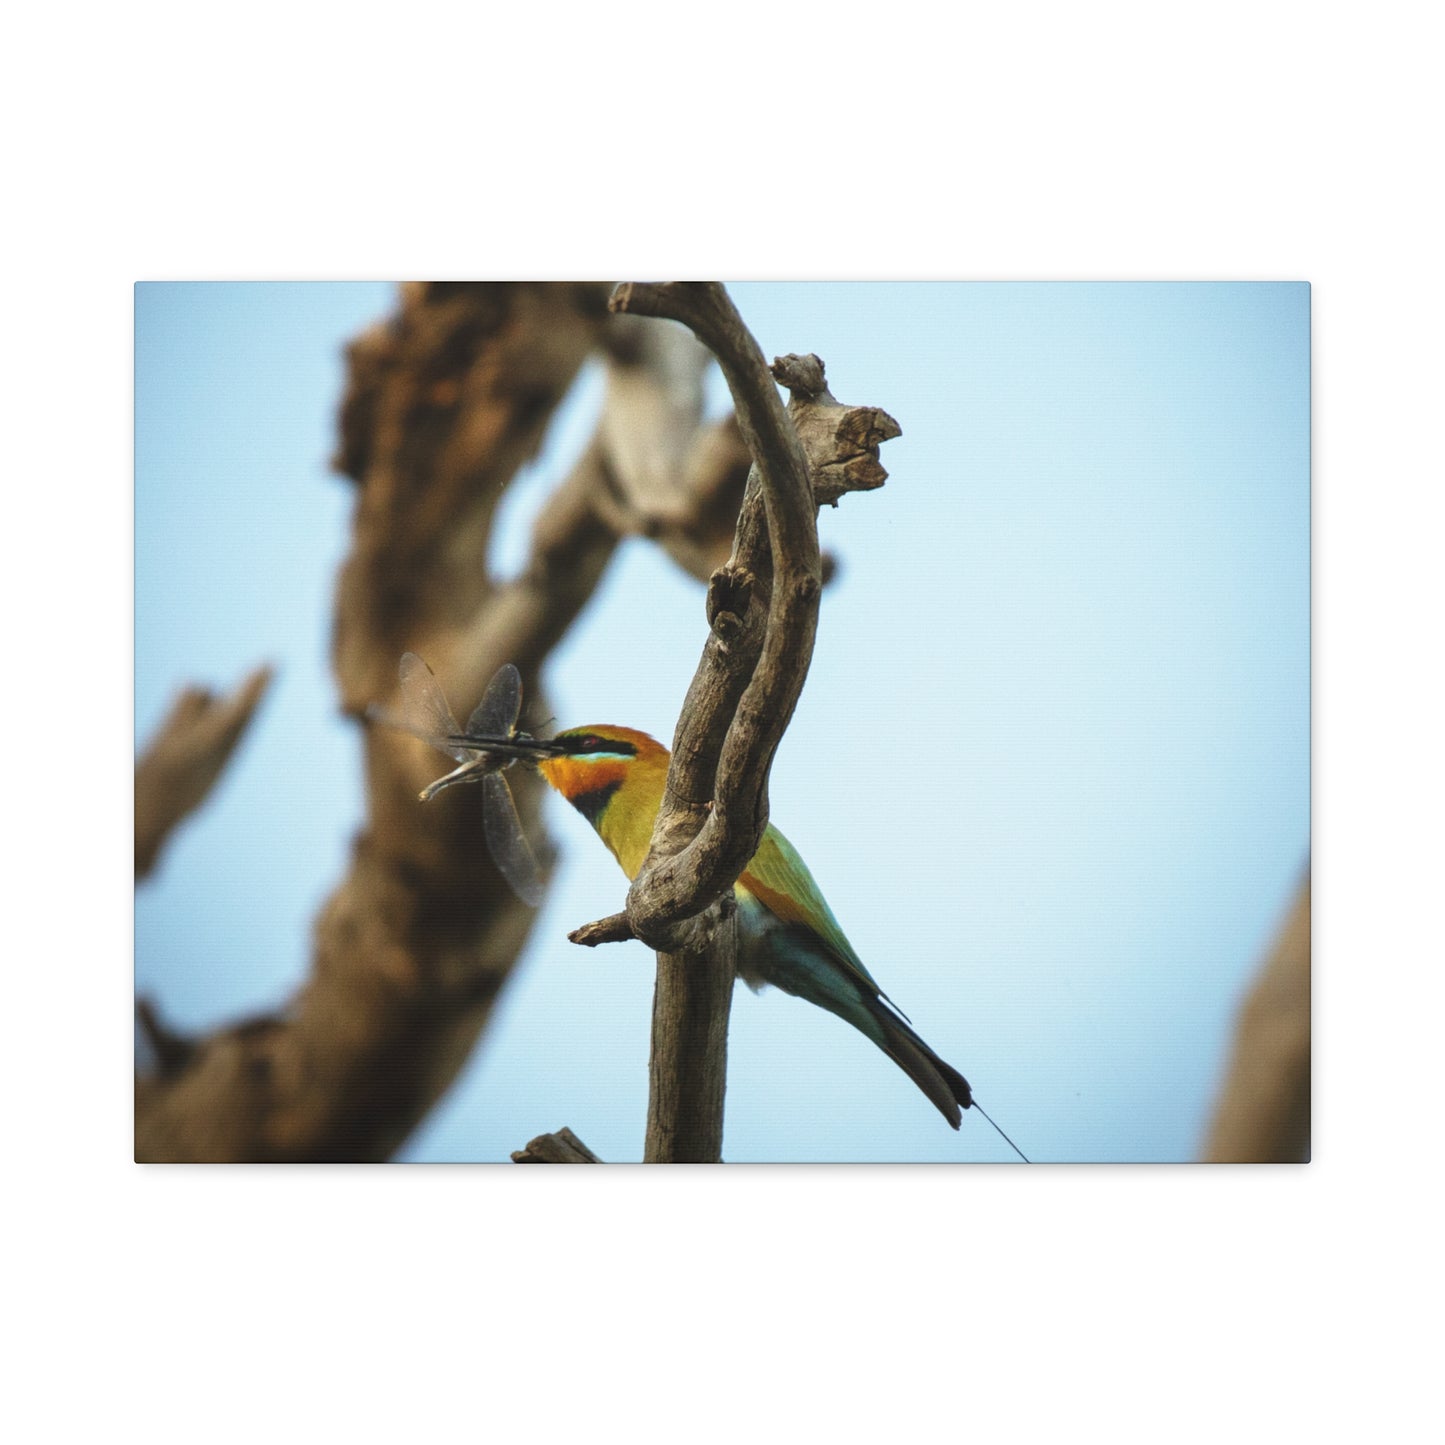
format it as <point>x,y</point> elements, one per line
<point>687,1068</point>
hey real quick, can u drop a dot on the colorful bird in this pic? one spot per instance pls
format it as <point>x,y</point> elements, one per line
<point>788,936</point>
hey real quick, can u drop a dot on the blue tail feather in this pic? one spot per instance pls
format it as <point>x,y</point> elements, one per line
<point>792,959</point>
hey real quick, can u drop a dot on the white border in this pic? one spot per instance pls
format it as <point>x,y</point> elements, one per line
<point>1044,141</point>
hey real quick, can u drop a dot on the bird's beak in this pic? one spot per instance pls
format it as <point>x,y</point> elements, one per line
<point>520,748</point>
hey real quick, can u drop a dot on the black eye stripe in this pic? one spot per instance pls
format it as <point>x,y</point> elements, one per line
<point>591,743</point>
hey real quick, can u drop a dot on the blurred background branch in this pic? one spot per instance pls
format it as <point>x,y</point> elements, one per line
<point>446,400</point>
<point>176,772</point>
<point>1263,1114</point>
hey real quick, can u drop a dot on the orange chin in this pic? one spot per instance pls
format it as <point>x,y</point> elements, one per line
<point>573,777</point>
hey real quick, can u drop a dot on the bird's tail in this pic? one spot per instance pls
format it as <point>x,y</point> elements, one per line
<point>794,960</point>
<point>943,1084</point>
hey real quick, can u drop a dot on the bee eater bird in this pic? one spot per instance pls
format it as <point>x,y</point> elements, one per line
<point>787,934</point>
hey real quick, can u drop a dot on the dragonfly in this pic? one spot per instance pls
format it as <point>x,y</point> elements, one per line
<point>426,714</point>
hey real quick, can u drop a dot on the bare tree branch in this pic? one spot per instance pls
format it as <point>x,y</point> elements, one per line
<point>563,1147</point>
<point>176,772</point>
<point>1263,1114</point>
<point>740,702</point>
<point>841,442</point>
<point>687,1065</point>
<point>762,610</point>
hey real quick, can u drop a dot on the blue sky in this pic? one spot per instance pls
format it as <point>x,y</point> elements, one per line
<point>1051,766</point>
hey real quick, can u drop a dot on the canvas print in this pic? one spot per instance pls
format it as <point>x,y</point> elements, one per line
<point>686,722</point>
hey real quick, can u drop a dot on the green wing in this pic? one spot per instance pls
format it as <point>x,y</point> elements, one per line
<point>780,881</point>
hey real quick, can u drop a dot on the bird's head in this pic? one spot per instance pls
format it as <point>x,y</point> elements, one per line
<point>594,762</point>
<point>587,765</point>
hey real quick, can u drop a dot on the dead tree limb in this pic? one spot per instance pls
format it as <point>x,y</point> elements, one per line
<point>177,771</point>
<point>762,611</point>
<point>446,401</point>
<point>563,1147</point>
<point>1263,1113</point>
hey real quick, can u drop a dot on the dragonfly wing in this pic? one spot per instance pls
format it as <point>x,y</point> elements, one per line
<point>425,712</point>
<point>507,842</point>
<point>496,715</point>
<point>389,719</point>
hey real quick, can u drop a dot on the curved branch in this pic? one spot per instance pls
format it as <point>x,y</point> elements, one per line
<point>762,612</point>
<point>737,708</point>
